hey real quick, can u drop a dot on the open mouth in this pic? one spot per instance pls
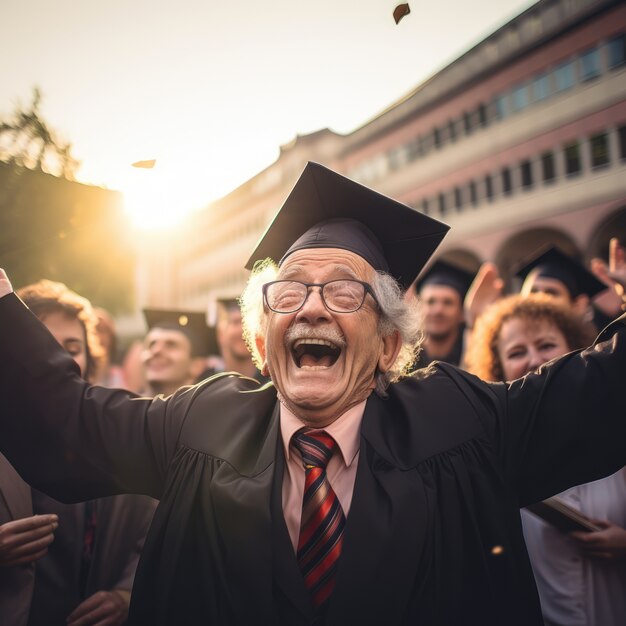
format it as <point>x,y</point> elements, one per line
<point>315,352</point>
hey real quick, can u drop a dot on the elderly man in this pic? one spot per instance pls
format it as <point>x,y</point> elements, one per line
<point>333,496</point>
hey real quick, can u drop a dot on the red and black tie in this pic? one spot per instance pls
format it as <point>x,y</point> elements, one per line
<point>323,520</point>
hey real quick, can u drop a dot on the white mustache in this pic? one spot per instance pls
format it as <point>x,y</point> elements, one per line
<point>304,331</point>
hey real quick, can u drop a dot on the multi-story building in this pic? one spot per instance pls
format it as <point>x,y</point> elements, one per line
<point>520,141</point>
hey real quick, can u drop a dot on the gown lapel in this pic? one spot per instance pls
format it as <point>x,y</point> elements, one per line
<point>377,570</point>
<point>243,519</point>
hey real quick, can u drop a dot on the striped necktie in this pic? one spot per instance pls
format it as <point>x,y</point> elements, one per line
<point>323,520</point>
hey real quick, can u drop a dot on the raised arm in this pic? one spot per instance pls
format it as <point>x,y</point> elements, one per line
<point>66,438</point>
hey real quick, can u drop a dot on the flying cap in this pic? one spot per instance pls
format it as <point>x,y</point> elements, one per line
<point>551,262</point>
<point>191,323</point>
<point>444,273</point>
<point>327,210</point>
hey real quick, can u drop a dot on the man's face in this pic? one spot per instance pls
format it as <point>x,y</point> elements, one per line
<point>230,335</point>
<point>167,360</point>
<point>443,310</point>
<point>70,333</point>
<point>320,382</point>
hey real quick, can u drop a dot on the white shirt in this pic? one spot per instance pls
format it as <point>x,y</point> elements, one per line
<point>574,590</point>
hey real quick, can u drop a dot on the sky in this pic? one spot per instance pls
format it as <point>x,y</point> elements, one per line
<point>212,88</point>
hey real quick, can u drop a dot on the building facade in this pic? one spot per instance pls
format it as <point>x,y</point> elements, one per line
<point>519,142</point>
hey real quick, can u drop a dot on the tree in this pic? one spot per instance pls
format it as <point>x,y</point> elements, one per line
<point>26,140</point>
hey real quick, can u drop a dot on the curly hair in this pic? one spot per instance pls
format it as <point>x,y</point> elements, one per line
<point>482,357</point>
<point>46,296</point>
<point>396,315</point>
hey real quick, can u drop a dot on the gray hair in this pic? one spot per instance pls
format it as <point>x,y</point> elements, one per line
<point>396,315</point>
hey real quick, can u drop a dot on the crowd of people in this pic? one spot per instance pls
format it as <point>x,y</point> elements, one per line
<point>384,475</point>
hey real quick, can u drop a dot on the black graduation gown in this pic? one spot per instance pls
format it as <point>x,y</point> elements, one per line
<point>433,535</point>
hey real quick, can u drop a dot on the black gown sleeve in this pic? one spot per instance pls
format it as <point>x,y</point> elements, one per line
<point>68,439</point>
<point>566,424</point>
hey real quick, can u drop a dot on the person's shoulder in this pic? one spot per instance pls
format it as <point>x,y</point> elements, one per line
<point>225,409</point>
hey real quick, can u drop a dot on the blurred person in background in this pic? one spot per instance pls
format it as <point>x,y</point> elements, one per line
<point>581,576</point>
<point>175,349</point>
<point>111,374</point>
<point>441,292</point>
<point>67,563</point>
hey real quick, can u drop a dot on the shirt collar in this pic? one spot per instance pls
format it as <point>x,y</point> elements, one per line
<point>345,430</point>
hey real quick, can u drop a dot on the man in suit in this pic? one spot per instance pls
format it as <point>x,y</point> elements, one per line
<point>344,493</point>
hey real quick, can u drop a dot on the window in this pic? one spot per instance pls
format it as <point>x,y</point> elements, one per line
<point>572,158</point>
<point>442,203</point>
<point>472,193</point>
<point>519,98</point>
<point>437,138</point>
<point>621,137</point>
<point>507,184</point>
<point>413,149</point>
<point>458,199</point>
<point>467,123</point>
<point>452,130</point>
<point>488,188</point>
<point>547,167</point>
<point>564,76</point>
<point>499,105</point>
<point>590,64</point>
<point>482,115</point>
<point>616,51</point>
<point>527,174</point>
<point>540,87</point>
<point>599,146</point>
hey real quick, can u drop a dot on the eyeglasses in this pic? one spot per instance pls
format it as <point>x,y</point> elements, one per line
<point>339,296</point>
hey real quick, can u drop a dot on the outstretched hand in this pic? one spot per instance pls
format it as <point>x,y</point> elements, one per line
<point>613,275</point>
<point>486,288</point>
<point>5,284</point>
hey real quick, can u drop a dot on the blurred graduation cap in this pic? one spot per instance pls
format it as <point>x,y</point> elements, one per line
<point>191,323</point>
<point>327,210</point>
<point>551,262</point>
<point>400,11</point>
<point>444,273</point>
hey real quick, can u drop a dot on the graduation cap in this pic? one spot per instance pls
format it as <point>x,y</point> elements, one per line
<point>327,210</point>
<point>444,273</point>
<point>551,262</point>
<point>191,323</point>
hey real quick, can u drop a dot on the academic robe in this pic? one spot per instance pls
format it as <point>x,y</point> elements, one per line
<point>433,536</point>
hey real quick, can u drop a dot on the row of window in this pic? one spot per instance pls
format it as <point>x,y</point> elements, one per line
<point>528,174</point>
<point>584,67</point>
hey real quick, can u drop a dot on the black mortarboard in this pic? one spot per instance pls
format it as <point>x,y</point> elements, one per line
<point>191,323</point>
<point>327,210</point>
<point>230,304</point>
<point>551,262</point>
<point>444,273</point>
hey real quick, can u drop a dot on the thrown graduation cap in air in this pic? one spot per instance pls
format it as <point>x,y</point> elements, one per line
<point>146,165</point>
<point>551,262</point>
<point>191,323</point>
<point>443,273</point>
<point>400,11</point>
<point>327,210</point>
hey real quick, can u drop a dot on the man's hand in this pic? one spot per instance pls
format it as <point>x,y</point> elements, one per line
<point>26,540</point>
<point>5,284</point>
<point>608,544</point>
<point>103,608</point>
<point>613,275</point>
<point>486,288</point>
